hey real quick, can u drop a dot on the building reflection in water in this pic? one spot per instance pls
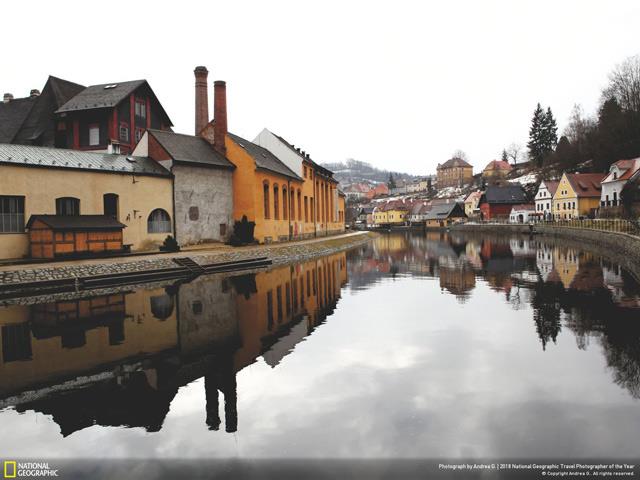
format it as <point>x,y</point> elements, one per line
<point>119,359</point>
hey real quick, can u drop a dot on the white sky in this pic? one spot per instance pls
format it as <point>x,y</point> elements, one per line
<point>398,84</point>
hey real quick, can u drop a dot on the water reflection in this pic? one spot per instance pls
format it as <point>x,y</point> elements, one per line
<point>120,359</point>
<point>450,335</point>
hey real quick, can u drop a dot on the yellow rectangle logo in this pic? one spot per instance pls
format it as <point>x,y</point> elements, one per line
<point>9,469</point>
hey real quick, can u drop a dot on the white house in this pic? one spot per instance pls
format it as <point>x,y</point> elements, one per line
<point>523,213</point>
<point>612,184</point>
<point>544,198</point>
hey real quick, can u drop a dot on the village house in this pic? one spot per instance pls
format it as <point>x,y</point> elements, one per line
<point>110,117</point>
<point>577,195</point>
<point>357,191</point>
<point>378,190</point>
<point>496,171</point>
<point>419,212</point>
<point>496,201</point>
<point>455,172</point>
<point>444,215</point>
<point>619,174</point>
<point>544,198</point>
<point>37,181</point>
<point>365,216</point>
<point>523,213</point>
<point>393,212</point>
<point>471,204</point>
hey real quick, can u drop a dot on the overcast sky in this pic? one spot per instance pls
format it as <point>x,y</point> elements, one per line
<point>398,84</point>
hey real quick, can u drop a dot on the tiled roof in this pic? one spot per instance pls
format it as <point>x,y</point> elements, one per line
<point>586,184</point>
<point>552,186</point>
<point>29,156</point>
<point>190,149</point>
<point>504,194</point>
<point>263,158</point>
<point>498,165</point>
<point>12,116</point>
<point>629,167</point>
<point>454,162</point>
<point>77,222</point>
<point>101,96</point>
<point>442,211</point>
<point>473,196</point>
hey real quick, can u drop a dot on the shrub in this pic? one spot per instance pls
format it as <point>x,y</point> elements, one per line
<point>170,245</point>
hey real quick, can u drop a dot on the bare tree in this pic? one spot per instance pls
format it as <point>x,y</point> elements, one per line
<point>579,125</point>
<point>624,84</point>
<point>460,154</point>
<point>514,152</point>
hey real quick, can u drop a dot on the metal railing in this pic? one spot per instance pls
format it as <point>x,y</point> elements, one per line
<point>617,225</point>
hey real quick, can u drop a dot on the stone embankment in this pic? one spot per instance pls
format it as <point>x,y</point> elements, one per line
<point>278,254</point>
<point>620,247</point>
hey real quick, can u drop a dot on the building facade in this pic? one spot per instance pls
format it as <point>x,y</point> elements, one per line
<point>577,195</point>
<point>455,172</point>
<point>544,198</point>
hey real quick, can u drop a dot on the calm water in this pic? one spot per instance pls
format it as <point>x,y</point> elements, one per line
<point>413,346</point>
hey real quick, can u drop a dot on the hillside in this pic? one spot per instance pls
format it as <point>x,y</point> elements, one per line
<point>355,171</point>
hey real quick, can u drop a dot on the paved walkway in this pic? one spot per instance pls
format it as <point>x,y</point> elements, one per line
<point>210,251</point>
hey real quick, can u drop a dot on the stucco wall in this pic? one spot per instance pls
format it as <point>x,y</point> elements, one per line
<point>137,196</point>
<point>203,202</point>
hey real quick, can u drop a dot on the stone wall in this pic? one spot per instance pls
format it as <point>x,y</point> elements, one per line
<point>203,202</point>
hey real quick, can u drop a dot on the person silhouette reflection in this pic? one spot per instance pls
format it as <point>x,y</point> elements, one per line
<point>223,380</point>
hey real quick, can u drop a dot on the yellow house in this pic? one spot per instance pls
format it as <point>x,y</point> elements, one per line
<point>455,172</point>
<point>38,180</point>
<point>577,195</point>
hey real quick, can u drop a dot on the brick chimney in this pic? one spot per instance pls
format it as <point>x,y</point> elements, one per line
<point>202,98</point>
<point>220,115</point>
<point>7,97</point>
<point>34,92</point>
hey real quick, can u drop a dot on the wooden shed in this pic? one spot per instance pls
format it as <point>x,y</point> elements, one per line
<point>53,236</point>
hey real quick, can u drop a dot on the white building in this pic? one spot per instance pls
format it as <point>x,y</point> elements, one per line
<point>522,213</point>
<point>612,184</point>
<point>544,198</point>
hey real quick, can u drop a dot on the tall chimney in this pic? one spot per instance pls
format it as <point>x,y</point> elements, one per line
<point>202,98</point>
<point>34,92</point>
<point>7,97</point>
<point>220,115</point>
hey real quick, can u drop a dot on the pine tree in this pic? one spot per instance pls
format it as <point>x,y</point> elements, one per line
<point>391,183</point>
<point>550,132</point>
<point>536,136</point>
<point>505,157</point>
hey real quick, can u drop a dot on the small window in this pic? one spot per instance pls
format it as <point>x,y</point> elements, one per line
<point>194,213</point>
<point>110,204</point>
<point>139,133</point>
<point>94,135</point>
<point>196,307</point>
<point>159,222</point>
<point>67,206</point>
<point>124,133</point>
<point>223,229</point>
<point>11,214</point>
<point>141,109</point>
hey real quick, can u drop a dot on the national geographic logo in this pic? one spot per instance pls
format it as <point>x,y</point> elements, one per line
<point>14,469</point>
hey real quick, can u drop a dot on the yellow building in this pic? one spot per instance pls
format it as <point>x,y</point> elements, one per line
<point>577,195</point>
<point>37,180</point>
<point>455,172</point>
<point>496,170</point>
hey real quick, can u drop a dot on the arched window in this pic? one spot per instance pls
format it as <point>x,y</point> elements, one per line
<point>292,204</point>
<point>265,194</point>
<point>110,204</point>
<point>159,221</point>
<point>68,206</point>
<point>299,205</point>
<point>285,201</point>
<point>161,306</point>
<point>276,202</point>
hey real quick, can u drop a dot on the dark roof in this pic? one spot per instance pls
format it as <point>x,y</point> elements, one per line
<point>12,116</point>
<point>101,96</point>
<point>39,126</point>
<point>444,210</point>
<point>263,158</point>
<point>30,156</point>
<point>504,194</point>
<point>454,162</point>
<point>77,222</point>
<point>190,149</point>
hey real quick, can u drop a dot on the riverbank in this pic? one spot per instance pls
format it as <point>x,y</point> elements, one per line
<point>277,254</point>
<point>620,247</point>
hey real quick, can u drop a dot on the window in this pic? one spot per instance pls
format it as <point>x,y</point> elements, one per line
<point>306,208</point>
<point>223,229</point>
<point>11,214</point>
<point>110,204</point>
<point>279,302</point>
<point>94,134</point>
<point>196,307</point>
<point>141,109</point>
<point>292,210</point>
<point>276,203</point>
<point>265,193</point>
<point>270,310</point>
<point>67,206</point>
<point>299,205</point>
<point>124,132</point>
<point>161,306</point>
<point>16,342</point>
<point>285,199</point>
<point>159,222</point>
<point>139,133</point>
<point>305,171</point>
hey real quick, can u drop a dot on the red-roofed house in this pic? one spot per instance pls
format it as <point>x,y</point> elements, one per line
<point>544,198</point>
<point>614,182</point>
<point>496,170</point>
<point>577,195</point>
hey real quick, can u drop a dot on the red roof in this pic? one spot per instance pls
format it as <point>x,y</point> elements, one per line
<point>586,184</point>
<point>498,165</point>
<point>631,166</point>
<point>552,186</point>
